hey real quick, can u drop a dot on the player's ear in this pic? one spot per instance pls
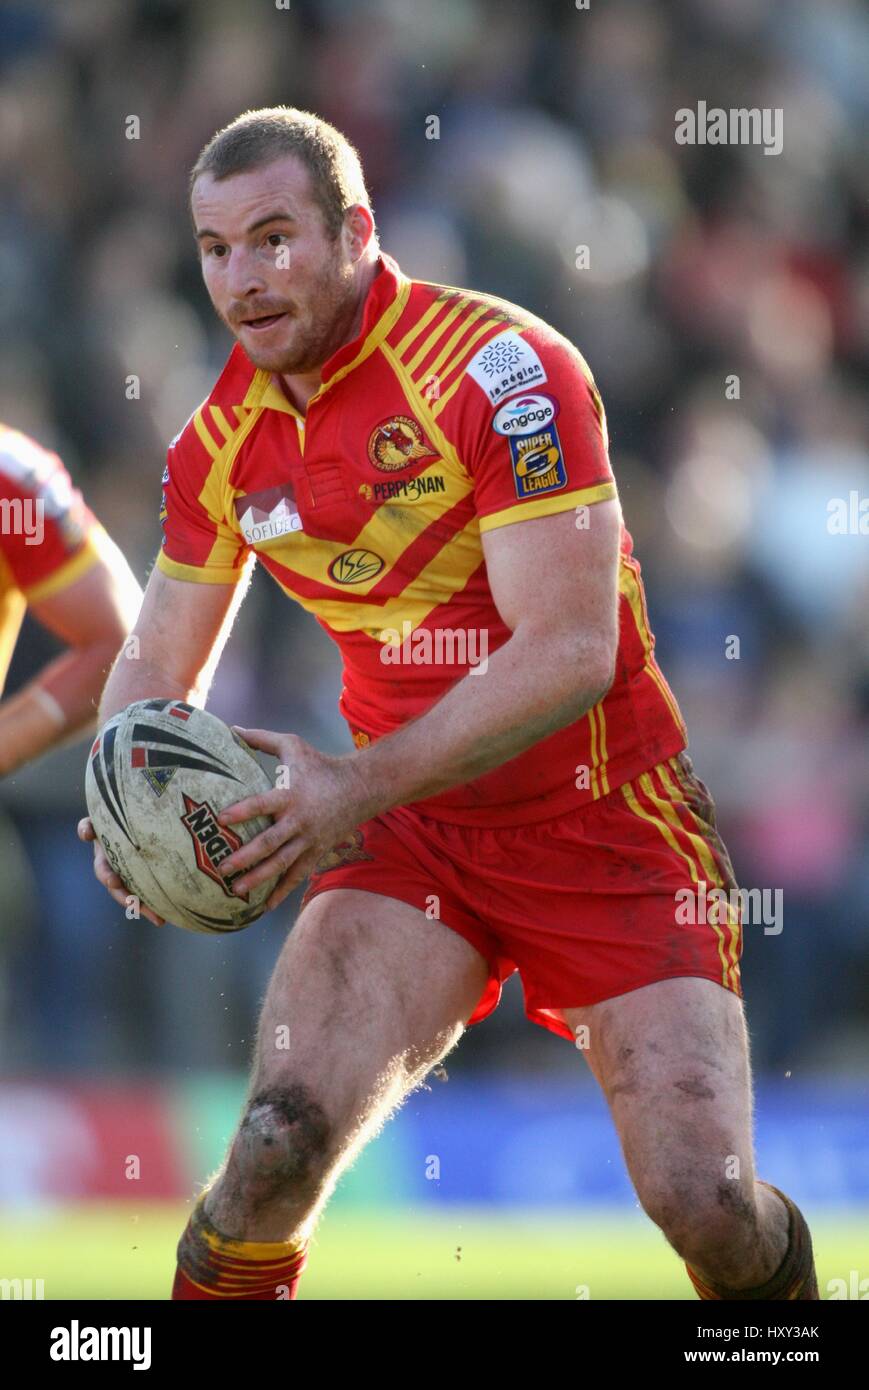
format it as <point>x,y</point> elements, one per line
<point>358,230</point>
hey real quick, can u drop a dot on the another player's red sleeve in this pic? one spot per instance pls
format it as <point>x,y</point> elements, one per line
<point>48,535</point>
<point>531,429</point>
<point>202,541</point>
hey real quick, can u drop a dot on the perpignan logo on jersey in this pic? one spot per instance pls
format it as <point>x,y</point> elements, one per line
<point>525,415</point>
<point>506,364</point>
<point>538,466</point>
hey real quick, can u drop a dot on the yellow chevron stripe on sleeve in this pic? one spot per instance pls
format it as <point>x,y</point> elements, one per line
<point>465,351</point>
<point>428,343</point>
<point>434,368</point>
<point>220,420</point>
<point>425,319</point>
<point>194,574</point>
<point>204,434</point>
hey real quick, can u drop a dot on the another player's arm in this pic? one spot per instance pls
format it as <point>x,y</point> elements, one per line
<point>92,616</point>
<point>180,633</point>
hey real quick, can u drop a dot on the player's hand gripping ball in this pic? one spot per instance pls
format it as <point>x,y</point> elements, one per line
<point>158,775</point>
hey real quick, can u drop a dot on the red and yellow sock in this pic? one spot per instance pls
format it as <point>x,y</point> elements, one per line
<point>213,1266</point>
<point>794,1280</point>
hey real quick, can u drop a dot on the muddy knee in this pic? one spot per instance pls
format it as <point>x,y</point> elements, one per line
<point>282,1144</point>
<point>703,1220</point>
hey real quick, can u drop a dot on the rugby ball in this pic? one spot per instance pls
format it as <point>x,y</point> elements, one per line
<point>158,775</point>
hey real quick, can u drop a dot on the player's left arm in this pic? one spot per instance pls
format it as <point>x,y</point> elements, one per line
<point>91,615</point>
<point>555,586</point>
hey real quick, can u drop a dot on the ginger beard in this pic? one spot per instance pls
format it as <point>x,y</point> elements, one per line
<point>317,320</point>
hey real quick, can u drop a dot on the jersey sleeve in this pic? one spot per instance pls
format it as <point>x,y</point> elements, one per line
<point>49,537</point>
<point>532,429</point>
<point>201,541</point>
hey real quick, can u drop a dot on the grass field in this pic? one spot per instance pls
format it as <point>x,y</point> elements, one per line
<point>120,1251</point>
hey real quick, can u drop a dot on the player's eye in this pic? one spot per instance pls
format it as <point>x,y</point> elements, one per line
<point>216,250</point>
<point>275,238</point>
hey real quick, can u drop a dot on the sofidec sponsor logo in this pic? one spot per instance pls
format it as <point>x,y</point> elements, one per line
<point>525,415</point>
<point>267,515</point>
<point>538,466</point>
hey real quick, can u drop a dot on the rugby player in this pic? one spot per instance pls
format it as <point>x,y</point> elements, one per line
<point>58,561</point>
<point>408,459</point>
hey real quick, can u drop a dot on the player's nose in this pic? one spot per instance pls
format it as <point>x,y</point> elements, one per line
<point>244,277</point>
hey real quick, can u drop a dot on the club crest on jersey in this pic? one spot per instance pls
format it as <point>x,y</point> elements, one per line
<point>506,364</point>
<point>212,843</point>
<point>538,466</point>
<point>396,443</point>
<point>268,515</point>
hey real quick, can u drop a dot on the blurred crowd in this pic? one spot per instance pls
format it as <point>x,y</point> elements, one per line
<point>724,310</point>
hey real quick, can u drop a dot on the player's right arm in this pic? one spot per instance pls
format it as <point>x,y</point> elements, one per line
<point>171,653</point>
<point>173,650</point>
<point>194,592</point>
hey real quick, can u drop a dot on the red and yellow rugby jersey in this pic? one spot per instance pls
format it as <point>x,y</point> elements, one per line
<point>451,414</point>
<point>48,536</point>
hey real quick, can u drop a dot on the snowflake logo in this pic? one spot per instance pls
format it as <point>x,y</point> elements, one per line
<point>500,357</point>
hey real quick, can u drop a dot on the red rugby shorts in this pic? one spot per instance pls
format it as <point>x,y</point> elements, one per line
<point>585,906</point>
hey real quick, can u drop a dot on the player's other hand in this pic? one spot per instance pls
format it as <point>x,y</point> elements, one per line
<point>107,876</point>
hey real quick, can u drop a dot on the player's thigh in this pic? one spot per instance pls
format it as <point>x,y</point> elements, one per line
<point>366,993</point>
<point>672,1059</point>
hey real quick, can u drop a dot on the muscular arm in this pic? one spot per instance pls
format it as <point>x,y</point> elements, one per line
<point>555,586</point>
<point>92,616</point>
<point>180,633</point>
<point>176,644</point>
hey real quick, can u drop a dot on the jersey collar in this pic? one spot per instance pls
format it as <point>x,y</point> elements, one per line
<point>384,303</point>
